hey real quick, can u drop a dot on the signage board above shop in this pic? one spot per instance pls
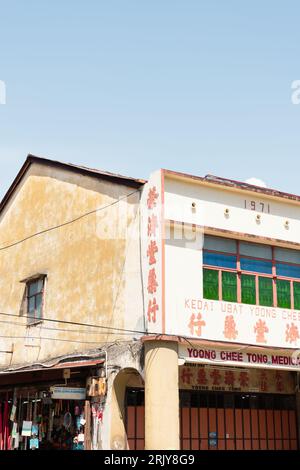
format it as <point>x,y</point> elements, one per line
<point>68,393</point>
<point>228,379</point>
<point>242,356</point>
<point>240,323</point>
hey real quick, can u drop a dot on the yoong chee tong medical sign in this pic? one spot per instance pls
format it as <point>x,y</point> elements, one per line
<point>241,357</point>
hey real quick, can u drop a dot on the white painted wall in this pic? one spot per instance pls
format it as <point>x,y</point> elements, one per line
<point>183,262</point>
<point>183,277</point>
<point>211,203</point>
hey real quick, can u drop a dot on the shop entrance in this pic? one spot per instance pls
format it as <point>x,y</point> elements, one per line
<point>223,421</point>
<point>34,420</point>
<point>237,421</point>
<point>135,418</point>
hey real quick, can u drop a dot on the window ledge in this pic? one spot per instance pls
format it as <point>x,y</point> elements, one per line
<point>34,323</point>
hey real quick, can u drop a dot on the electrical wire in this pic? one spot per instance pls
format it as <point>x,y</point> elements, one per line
<point>91,325</point>
<point>61,329</point>
<point>49,229</point>
<point>51,339</point>
<point>238,346</point>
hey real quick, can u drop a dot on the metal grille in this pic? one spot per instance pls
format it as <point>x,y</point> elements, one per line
<point>135,418</point>
<point>222,421</point>
<point>235,421</point>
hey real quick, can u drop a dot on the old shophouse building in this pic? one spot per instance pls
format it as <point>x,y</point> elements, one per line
<point>158,315</point>
<point>70,297</point>
<point>222,293</point>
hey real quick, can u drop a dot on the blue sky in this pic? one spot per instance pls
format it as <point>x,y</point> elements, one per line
<point>135,85</point>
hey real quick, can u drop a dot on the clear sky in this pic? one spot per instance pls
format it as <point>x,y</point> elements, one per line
<point>135,85</point>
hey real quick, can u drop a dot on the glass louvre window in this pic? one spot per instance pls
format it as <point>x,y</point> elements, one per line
<point>248,289</point>
<point>297,295</point>
<point>286,255</point>
<point>35,291</point>
<point>265,285</point>
<point>283,293</point>
<point>288,270</point>
<point>225,245</point>
<point>257,266</point>
<point>210,284</point>
<point>216,259</point>
<point>229,286</point>
<point>256,251</point>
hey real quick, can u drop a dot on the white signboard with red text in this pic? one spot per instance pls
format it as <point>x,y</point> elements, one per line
<point>239,323</point>
<point>152,252</point>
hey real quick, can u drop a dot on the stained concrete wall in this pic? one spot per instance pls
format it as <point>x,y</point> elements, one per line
<point>88,263</point>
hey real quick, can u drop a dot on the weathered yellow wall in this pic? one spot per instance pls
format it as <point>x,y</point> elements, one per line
<point>86,265</point>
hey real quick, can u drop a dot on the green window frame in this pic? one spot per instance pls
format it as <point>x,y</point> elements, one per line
<point>265,289</point>
<point>229,286</point>
<point>296,288</point>
<point>248,285</point>
<point>283,293</point>
<point>211,284</point>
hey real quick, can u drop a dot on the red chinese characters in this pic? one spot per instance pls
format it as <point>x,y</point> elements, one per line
<point>196,323</point>
<point>152,225</point>
<point>201,377</point>
<point>230,331</point>
<point>152,253</point>
<point>260,329</point>
<point>152,250</point>
<point>229,378</point>
<point>152,198</point>
<point>216,377</point>
<point>152,282</point>
<point>244,379</point>
<point>186,375</point>
<point>263,382</point>
<point>291,333</point>
<point>152,309</point>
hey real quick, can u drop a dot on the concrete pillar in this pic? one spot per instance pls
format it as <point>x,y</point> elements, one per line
<point>161,396</point>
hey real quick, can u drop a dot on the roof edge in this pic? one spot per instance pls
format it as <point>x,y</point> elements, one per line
<point>119,179</point>
<point>233,184</point>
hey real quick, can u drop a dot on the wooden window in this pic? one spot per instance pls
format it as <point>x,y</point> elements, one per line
<point>35,294</point>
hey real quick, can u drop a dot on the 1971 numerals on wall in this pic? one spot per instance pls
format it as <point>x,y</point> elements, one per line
<point>257,206</point>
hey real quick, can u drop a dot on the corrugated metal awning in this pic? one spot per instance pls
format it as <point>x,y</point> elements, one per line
<point>60,365</point>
